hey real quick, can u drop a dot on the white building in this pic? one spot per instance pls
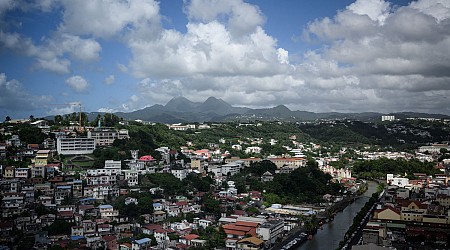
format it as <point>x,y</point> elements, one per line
<point>253,150</point>
<point>108,212</point>
<point>434,148</point>
<point>103,171</point>
<point>21,173</point>
<point>111,164</point>
<point>105,137</point>
<point>389,118</point>
<point>270,231</point>
<point>132,177</point>
<point>232,168</point>
<point>179,173</point>
<point>75,146</point>
<point>396,181</point>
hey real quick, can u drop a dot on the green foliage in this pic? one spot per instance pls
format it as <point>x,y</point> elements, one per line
<point>168,182</point>
<point>380,167</point>
<point>59,227</point>
<point>259,168</point>
<point>211,205</point>
<point>215,237</point>
<point>144,206</point>
<point>29,134</point>
<point>196,182</point>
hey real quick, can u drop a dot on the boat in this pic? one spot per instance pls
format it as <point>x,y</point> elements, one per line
<point>295,242</point>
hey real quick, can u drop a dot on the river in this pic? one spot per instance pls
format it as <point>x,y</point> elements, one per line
<point>333,232</point>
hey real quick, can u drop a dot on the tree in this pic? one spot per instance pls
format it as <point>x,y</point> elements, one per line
<point>7,119</point>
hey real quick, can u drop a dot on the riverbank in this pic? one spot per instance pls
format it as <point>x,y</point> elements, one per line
<point>334,231</point>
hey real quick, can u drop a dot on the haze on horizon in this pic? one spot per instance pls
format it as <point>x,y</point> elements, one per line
<point>319,56</point>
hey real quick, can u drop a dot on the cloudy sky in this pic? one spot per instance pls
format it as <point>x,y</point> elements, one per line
<point>313,55</point>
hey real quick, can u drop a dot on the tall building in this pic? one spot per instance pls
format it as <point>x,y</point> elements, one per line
<point>75,146</point>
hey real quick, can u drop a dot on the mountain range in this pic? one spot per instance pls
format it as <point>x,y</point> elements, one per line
<point>181,110</point>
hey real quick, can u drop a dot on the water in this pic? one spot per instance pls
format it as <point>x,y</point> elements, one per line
<point>333,232</point>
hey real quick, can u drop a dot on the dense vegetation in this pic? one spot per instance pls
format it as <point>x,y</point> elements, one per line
<point>379,168</point>
<point>306,184</point>
<point>401,135</point>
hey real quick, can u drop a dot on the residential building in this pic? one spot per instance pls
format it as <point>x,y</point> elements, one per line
<point>9,172</point>
<point>131,176</point>
<point>75,146</point>
<point>106,136</point>
<point>271,231</point>
<point>250,243</point>
<point>292,162</point>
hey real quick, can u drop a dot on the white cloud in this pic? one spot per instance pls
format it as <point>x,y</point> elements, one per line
<point>77,83</point>
<point>377,10</point>
<point>56,65</point>
<point>14,98</point>
<point>110,79</point>
<point>107,18</point>
<point>51,53</point>
<point>122,68</point>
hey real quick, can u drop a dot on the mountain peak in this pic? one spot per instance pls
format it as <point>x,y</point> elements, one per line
<point>281,108</point>
<point>180,103</point>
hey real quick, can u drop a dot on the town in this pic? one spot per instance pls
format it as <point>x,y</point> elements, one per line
<point>116,184</point>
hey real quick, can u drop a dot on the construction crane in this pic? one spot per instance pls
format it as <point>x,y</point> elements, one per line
<point>71,104</point>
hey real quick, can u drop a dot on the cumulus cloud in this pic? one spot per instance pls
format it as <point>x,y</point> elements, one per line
<point>105,19</point>
<point>110,79</point>
<point>77,83</point>
<point>371,55</point>
<point>50,54</point>
<point>220,40</point>
<point>396,54</point>
<point>15,98</point>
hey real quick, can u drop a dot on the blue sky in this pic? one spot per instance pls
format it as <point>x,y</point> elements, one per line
<point>344,56</point>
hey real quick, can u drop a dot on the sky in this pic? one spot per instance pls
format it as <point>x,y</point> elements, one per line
<point>312,55</point>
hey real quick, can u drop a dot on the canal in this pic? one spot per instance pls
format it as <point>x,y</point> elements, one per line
<point>333,232</point>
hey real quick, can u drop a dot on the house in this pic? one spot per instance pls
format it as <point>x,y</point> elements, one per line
<point>111,242</point>
<point>131,176</point>
<point>130,200</point>
<point>159,216</point>
<point>388,214</point>
<point>267,176</point>
<point>150,228</point>
<point>161,235</point>
<point>292,162</point>
<point>108,212</point>
<point>158,206</point>
<point>9,172</point>
<point>125,246</point>
<point>187,239</point>
<point>250,243</point>
<point>413,211</point>
<point>77,231</point>
<point>22,173</point>
<point>204,223</point>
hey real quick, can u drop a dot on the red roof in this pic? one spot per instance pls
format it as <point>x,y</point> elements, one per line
<point>246,224</point>
<point>182,203</point>
<point>147,158</point>
<point>108,238</point>
<point>153,227</point>
<point>190,236</point>
<point>182,246</point>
